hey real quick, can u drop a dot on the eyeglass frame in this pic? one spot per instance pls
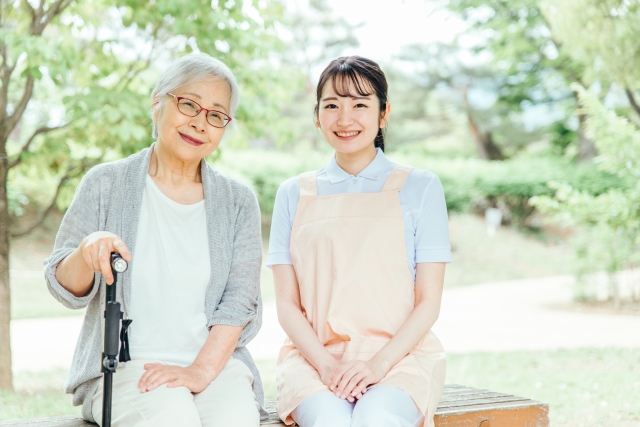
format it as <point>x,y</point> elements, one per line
<point>178,98</point>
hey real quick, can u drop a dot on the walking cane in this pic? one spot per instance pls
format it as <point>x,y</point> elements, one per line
<point>112,333</point>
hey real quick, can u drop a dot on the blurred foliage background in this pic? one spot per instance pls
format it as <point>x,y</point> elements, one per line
<point>527,106</point>
<point>527,98</point>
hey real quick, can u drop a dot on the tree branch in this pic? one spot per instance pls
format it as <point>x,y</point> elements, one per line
<point>68,175</point>
<point>55,10</point>
<point>13,119</point>
<point>632,100</point>
<point>131,72</point>
<point>4,92</point>
<point>31,10</point>
<point>35,15</point>
<point>41,18</point>
<point>25,147</point>
<point>49,208</point>
<point>5,77</point>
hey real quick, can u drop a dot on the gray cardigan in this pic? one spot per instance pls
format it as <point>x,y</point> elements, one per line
<point>108,198</point>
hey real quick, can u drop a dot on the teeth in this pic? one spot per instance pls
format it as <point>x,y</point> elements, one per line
<point>346,134</point>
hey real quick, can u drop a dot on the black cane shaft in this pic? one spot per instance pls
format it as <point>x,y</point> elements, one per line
<point>112,316</point>
<point>106,400</point>
<point>111,289</point>
<point>112,329</point>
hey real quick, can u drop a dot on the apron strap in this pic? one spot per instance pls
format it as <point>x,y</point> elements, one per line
<point>397,178</point>
<point>308,184</point>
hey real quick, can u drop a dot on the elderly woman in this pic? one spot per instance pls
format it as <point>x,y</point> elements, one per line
<point>192,237</point>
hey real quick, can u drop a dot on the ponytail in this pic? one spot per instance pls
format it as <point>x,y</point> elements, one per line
<point>379,141</point>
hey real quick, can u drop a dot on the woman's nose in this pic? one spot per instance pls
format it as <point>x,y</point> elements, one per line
<point>345,118</point>
<point>199,122</point>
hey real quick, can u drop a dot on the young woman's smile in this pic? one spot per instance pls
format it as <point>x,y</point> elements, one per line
<point>347,135</point>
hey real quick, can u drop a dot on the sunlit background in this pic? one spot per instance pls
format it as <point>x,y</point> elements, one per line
<point>528,110</point>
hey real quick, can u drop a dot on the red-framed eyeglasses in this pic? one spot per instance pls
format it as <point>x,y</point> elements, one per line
<point>191,108</point>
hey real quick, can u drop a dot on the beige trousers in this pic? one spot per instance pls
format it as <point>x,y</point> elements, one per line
<point>228,401</point>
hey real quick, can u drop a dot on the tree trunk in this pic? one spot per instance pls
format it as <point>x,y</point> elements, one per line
<point>487,148</point>
<point>614,290</point>
<point>586,147</point>
<point>6,379</point>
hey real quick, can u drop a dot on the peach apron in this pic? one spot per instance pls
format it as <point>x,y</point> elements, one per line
<point>349,256</point>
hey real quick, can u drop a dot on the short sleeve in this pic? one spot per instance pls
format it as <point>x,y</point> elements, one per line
<point>284,212</point>
<point>432,226</point>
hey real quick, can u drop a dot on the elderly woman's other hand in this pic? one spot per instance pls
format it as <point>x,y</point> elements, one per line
<point>194,377</point>
<point>96,250</point>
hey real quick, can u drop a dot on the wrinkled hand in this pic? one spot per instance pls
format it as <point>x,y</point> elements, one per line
<point>195,378</point>
<point>353,378</point>
<point>96,250</point>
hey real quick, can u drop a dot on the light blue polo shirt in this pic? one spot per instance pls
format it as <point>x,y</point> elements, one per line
<point>424,210</point>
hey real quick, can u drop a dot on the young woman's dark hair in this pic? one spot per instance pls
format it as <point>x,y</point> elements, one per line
<point>361,73</point>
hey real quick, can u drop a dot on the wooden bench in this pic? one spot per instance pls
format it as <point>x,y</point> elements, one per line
<point>459,407</point>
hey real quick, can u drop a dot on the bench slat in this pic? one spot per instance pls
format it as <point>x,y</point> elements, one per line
<point>460,406</point>
<point>483,401</point>
<point>68,421</point>
<point>469,396</point>
<point>489,406</point>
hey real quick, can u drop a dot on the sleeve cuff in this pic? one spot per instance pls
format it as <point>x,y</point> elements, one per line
<point>63,295</point>
<point>433,255</point>
<point>222,319</point>
<point>279,258</point>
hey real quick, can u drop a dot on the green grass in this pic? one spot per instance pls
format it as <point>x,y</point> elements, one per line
<point>509,255</point>
<point>37,395</point>
<point>31,299</point>
<point>585,387</point>
<point>29,295</point>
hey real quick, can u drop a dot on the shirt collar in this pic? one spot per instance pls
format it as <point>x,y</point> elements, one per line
<point>373,171</point>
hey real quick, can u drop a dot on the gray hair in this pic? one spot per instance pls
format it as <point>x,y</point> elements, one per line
<point>187,70</point>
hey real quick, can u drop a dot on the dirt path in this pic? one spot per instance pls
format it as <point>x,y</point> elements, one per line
<point>502,316</point>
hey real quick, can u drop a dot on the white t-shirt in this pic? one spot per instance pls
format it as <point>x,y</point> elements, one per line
<point>171,270</point>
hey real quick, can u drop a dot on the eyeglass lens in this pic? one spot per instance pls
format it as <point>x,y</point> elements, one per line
<point>214,118</point>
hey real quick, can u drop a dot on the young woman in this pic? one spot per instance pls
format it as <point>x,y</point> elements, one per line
<point>358,251</point>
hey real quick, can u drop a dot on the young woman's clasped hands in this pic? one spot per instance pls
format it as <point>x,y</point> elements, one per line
<point>351,380</point>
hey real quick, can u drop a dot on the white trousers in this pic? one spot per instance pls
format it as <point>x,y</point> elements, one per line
<point>228,401</point>
<point>382,406</point>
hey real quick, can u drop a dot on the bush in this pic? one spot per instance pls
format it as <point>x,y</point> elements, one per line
<point>264,171</point>
<point>469,184</point>
<point>512,184</point>
<point>474,184</point>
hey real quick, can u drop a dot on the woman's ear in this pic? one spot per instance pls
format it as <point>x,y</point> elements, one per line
<point>316,119</point>
<point>155,109</point>
<point>384,116</point>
